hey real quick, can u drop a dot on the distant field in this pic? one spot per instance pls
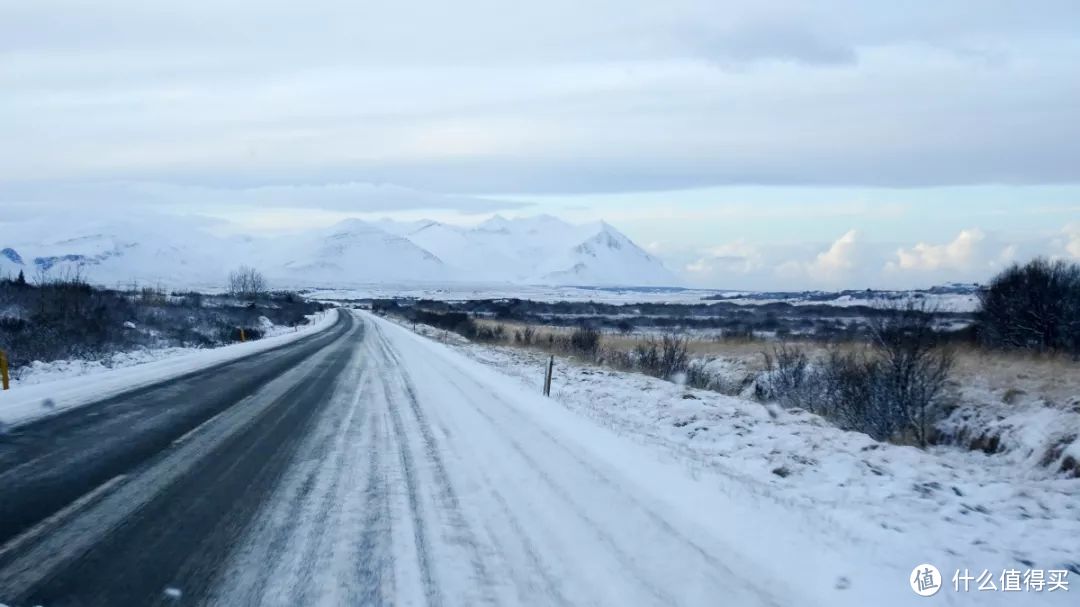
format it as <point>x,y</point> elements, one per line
<point>956,298</point>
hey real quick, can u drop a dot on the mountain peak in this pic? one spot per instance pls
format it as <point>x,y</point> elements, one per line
<point>495,222</point>
<point>542,249</point>
<point>12,255</point>
<point>352,224</point>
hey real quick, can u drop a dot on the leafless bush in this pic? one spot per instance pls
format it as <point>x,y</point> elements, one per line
<point>914,367</point>
<point>61,316</point>
<point>616,358</point>
<point>194,299</point>
<point>891,390</point>
<point>698,376</point>
<point>647,355</point>
<point>851,398</point>
<point>1035,306</point>
<point>525,336</point>
<point>150,296</point>
<point>789,379</point>
<point>247,283</point>
<point>674,355</point>
<point>585,341</point>
<point>493,333</point>
<point>664,357</point>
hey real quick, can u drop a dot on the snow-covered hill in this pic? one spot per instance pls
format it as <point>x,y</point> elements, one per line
<point>349,252</point>
<point>181,252</point>
<point>607,257</point>
<point>147,249</point>
<point>540,250</point>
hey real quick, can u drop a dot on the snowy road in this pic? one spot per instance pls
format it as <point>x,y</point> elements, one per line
<point>379,468</point>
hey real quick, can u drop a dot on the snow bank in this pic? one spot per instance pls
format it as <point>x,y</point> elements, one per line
<point>833,516</point>
<point>954,508</point>
<point>48,388</point>
<point>1025,435</point>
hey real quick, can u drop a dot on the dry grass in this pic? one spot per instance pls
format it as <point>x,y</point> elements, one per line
<point>736,347</point>
<point>1013,376</point>
<point>1020,375</point>
<point>741,348</point>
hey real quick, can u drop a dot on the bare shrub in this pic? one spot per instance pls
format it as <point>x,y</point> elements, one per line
<point>61,316</point>
<point>247,283</point>
<point>788,377</point>
<point>149,296</point>
<point>525,336</point>
<point>890,391</point>
<point>913,366</point>
<point>664,357</point>
<point>585,341</point>
<point>1035,306</point>
<point>698,376</point>
<point>467,328</point>
<point>494,334</point>
<point>674,356</point>
<point>647,355</point>
<point>618,359</point>
<point>851,396</point>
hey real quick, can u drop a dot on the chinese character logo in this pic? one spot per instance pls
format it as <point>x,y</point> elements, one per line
<point>925,580</point>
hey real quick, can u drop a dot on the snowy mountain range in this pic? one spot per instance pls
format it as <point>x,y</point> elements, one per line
<point>179,252</point>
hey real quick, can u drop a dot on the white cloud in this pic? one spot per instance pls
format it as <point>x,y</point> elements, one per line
<point>350,197</point>
<point>972,256</point>
<point>554,96</point>
<point>701,266</point>
<point>833,266</point>
<point>851,262</point>
<point>726,262</point>
<point>961,253</point>
<point>738,256</point>
<point>1072,242</point>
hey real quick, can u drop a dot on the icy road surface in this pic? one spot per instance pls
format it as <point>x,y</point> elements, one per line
<point>369,466</point>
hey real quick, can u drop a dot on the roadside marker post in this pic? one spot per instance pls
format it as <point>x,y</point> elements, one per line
<point>243,338</point>
<point>4,370</point>
<point>547,376</point>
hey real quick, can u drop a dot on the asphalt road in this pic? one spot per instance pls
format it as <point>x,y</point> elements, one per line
<point>363,466</point>
<point>46,467</point>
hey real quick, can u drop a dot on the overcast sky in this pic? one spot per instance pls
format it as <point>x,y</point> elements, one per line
<point>750,144</point>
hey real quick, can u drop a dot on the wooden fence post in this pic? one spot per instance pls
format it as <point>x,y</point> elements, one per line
<point>547,376</point>
<point>4,380</point>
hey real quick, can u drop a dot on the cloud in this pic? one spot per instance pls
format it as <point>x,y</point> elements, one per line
<point>776,40</point>
<point>1072,242</point>
<point>701,266</point>
<point>738,257</point>
<point>958,254</point>
<point>833,266</point>
<point>556,96</point>
<point>347,197</point>
<point>972,255</point>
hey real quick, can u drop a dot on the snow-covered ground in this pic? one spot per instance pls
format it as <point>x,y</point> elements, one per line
<point>464,291</point>
<point>945,302</point>
<point>45,389</point>
<point>896,506</point>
